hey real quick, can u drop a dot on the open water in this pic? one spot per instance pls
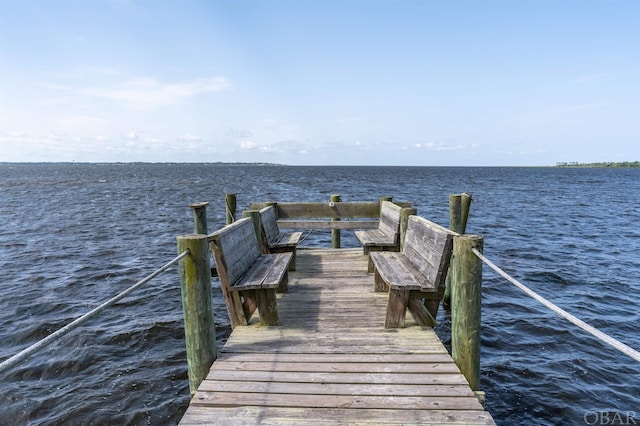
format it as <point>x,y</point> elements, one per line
<point>74,235</point>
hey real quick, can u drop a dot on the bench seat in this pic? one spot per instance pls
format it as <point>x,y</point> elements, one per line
<point>268,271</point>
<point>387,236</point>
<point>285,240</point>
<point>396,271</point>
<point>372,238</point>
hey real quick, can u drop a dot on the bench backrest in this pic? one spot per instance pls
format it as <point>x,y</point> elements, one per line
<point>390,219</point>
<point>429,246</point>
<point>269,219</point>
<point>235,248</point>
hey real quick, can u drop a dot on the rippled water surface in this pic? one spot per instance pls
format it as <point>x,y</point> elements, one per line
<point>74,235</point>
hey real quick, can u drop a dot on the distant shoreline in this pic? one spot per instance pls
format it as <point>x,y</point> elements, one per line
<point>623,164</point>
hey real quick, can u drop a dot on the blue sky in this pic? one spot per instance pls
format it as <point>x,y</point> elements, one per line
<point>487,83</point>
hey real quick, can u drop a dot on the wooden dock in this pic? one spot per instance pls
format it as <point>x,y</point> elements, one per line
<point>332,361</point>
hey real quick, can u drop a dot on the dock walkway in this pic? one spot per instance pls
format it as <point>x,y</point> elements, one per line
<point>332,361</point>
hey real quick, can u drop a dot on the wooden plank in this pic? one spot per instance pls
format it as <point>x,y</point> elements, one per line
<point>323,377</point>
<point>305,416</point>
<point>326,224</point>
<point>367,389</point>
<point>325,210</point>
<point>340,367</point>
<point>331,401</point>
<point>336,358</point>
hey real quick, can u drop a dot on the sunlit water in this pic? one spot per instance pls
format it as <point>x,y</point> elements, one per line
<point>74,235</point>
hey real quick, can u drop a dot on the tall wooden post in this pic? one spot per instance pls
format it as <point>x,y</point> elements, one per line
<point>335,233</point>
<point>404,222</point>
<point>384,199</point>
<point>459,205</point>
<point>465,206</point>
<point>230,202</point>
<point>466,292</point>
<point>199,217</point>
<point>199,326</point>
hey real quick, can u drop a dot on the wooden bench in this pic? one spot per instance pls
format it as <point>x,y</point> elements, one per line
<point>386,237</point>
<point>276,241</point>
<point>249,279</point>
<point>415,277</point>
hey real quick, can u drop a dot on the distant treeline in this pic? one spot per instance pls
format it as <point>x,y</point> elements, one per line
<point>603,164</point>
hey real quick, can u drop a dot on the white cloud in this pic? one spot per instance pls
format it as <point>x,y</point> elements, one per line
<point>248,145</point>
<point>146,92</point>
<point>132,135</point>
<point>349,120</point>
<point>441,146</point>
<point>191,138</point>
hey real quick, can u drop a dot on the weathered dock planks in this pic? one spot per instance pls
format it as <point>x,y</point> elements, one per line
<point>332,361</point>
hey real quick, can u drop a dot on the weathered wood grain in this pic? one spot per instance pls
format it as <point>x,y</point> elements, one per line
<point>332,361</point>
<point>248,278</point>
<point>387,235</point>
<point>418,271</point>
<point>304,416</point>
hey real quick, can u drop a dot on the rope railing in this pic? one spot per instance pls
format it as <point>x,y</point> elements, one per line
<point>625,349</point>
<point>25,353</point>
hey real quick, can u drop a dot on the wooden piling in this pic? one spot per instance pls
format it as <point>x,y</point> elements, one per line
<point>199,326</point>
<point>199,217</point>
<point>459,205</point>
<point>465,206</point>
<point>230,202</point>
<point>335,233</point>
<point>466,291</point>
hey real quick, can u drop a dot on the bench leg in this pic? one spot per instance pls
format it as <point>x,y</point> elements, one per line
<point>379,285</point>
<point>292,264</point>
<point>421,313</point>
<point>267,307</point>
<point>235,308</point>
<point>284,284</point>
<point>249,304</point>
<point>432,306</point>
<point>396,308</point>
<point>370,266</point>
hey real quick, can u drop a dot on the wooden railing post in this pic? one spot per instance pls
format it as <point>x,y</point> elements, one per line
<point>255,217</point>
<point>230,202</point>
<point>199,217</point>
<point>459,205</point>
<point>335,233</point>
<point>199,326</point>
<point>404,222</point>
<point>466,292</point>
<point>384,199</point>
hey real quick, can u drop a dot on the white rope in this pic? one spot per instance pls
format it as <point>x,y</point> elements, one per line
<point>25,353</point>
<point>627,350</point>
